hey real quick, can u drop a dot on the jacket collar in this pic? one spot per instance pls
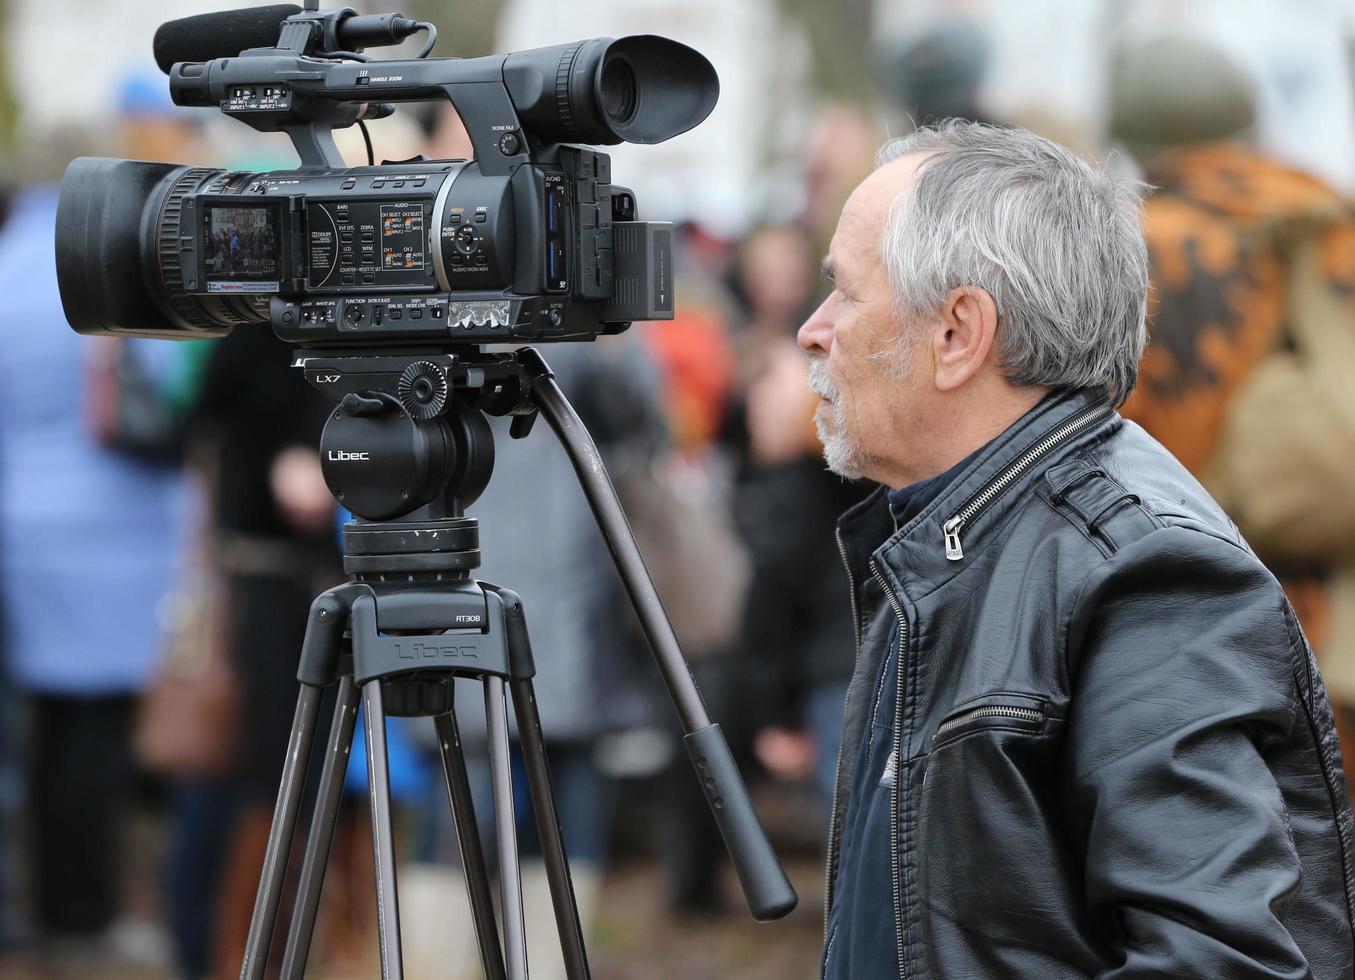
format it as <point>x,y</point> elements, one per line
<point>913,557</point>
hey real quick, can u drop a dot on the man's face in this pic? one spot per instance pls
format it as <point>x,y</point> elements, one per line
<point>863,358</point>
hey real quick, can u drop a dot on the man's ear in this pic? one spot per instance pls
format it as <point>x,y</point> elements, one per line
<point>963,336</point>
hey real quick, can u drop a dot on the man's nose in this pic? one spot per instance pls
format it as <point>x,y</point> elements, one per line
<point>815,335</point>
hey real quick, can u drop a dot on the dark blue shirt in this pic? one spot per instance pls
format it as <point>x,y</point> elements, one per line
<point>861,874</point>
<point>907,502</point>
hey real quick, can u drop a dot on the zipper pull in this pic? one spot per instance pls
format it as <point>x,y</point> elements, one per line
<point>952,528</point>
<point>891,773</point>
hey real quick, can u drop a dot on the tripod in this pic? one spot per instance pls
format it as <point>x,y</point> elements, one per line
<point>407,449</point>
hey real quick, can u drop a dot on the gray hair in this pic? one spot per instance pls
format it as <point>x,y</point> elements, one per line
<point>1056,242</point>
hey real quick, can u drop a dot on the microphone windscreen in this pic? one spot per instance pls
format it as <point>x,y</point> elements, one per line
<point>222,34</point>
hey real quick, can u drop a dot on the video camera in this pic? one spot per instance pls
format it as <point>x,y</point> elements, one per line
<point>530,240</point>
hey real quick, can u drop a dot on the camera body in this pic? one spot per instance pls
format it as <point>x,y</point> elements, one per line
<point>431,251</point>
<point>528,241</point>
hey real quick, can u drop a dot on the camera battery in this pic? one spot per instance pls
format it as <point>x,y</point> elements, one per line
<point>642,272</point>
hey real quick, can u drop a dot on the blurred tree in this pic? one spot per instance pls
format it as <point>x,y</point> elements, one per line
<point>840,42</point>
<point>466,28</point>
<point>9,109</point>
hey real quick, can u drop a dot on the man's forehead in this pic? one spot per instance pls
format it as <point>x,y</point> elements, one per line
<point>862,221</point>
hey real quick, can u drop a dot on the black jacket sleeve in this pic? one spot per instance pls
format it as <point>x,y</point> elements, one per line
<point>1181,657</point>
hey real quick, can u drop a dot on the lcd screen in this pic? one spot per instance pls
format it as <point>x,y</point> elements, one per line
<point>240,242</point>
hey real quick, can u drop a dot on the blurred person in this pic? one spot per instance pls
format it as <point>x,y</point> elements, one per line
<point>1253,324</point>
<point>683,513</point>
<point>1084,735</point>
<point>91,504</point>
<point>695,351</point>
<point>792,664</point>
<point>273,542</point>
<point>839,153</point>
<point>936,74</point>
<point>796,666</point>
<point>774,280</point>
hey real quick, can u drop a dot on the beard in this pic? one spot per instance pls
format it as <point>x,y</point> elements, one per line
<point>841,449</point>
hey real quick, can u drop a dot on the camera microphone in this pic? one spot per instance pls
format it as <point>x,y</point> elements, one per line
<point>375,30</point>
<point>226,33</point>
<point>223,34</point>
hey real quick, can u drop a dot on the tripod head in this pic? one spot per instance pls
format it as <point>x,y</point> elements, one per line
<point>408,436</point>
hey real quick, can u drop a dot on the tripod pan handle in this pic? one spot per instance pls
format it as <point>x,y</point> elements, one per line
<point>765,885</point>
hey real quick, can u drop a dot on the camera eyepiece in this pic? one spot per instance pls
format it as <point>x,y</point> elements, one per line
<point>617,90</point>
<point>637,89</point>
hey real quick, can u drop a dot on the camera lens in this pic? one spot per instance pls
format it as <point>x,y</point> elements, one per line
<point>618,90</point>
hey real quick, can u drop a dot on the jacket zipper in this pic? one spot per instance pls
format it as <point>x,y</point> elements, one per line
<point>989,711</point>
<point>1025,461</point>
<point>895,871</point>
<point>830,864</point>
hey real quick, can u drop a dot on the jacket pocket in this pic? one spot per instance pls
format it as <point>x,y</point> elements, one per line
<point>994,712</point>
<point>1001,890</point>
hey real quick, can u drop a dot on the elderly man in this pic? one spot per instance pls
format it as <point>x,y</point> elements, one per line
<point>1085,735</point>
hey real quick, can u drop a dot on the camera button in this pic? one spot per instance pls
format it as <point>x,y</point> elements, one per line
<point>398,183</point>
<point>420,182</point>
<point>349,184</point>
<point>480,216</point>
<point>416,313</point>
<point>454,218</point>
<point>348,278</point>
<point>396,313</point>
<point>368,278</point>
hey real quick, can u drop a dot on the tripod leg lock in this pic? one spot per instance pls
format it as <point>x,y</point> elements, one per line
<point>521,665</point>
<point>325,625</point>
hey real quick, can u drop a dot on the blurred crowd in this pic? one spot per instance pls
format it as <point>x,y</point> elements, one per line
<point>164,525</point>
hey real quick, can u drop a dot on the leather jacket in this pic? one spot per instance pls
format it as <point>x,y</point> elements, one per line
<point>1085,735</point>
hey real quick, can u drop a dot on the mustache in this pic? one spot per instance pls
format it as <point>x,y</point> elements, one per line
<point>819,382</point>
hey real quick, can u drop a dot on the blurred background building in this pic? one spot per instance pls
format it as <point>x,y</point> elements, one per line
<point>156,753</point>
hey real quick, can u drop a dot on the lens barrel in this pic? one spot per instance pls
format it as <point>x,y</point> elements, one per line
<point>119,228</point>
<point>100,246</point>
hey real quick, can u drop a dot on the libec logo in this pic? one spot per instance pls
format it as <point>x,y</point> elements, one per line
<point>429,651</point>
<point>340,456</point>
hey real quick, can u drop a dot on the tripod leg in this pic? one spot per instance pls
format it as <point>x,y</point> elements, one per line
<point>383,836</point>
<point>764,881</point>
<point>548,827</point>
<point>280,835</point>
<point>510,873</point>
<point>321,835</point>
<point>468,838</point>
